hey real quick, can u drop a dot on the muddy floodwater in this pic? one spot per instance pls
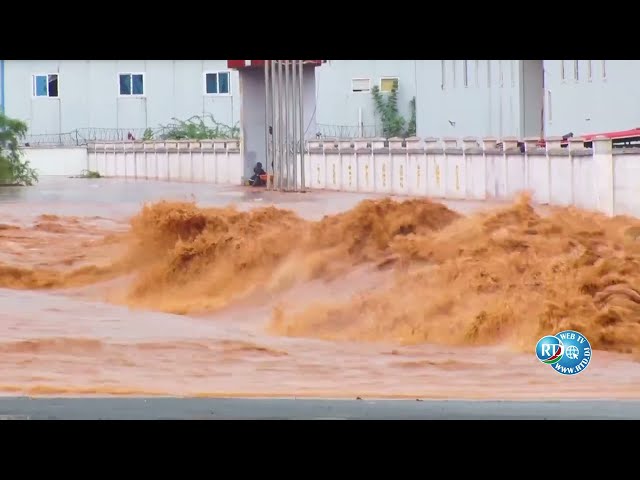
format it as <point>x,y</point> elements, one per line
<point>152,288</point>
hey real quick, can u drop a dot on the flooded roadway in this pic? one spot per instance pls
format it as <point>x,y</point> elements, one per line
<point>73,341</point>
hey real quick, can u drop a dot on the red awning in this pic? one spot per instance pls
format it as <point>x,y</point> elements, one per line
<point>260,63</point>
<point>635,132</point>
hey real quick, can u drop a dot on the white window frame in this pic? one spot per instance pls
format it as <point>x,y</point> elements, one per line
<point>355,79</point>
<point>443,74</point>
<point>397,79</point>
<point>589,70</point>
<point>563,72</point>
<point>33,85</point>
<point>603,66</point>
<point>576,70</point>
<point>217,72</point>
<point>132,95</point>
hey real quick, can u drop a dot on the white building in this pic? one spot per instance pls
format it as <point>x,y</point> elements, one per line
<point>60,96</point>
<point>457,98</point>
<point>345,106</point>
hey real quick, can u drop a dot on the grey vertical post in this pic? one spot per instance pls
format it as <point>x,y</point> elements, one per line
<point>294,121</point>
<point>267,120</point>
<point>280,123</point>
<point>301,119</point>
<point>275,109</point>
<point>287,125</point>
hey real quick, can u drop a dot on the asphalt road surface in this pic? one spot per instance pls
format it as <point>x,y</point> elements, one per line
<point>21,408</point>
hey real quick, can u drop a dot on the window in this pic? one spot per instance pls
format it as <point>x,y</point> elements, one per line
<point>388,83</point>
<point>465,72</point>
<point>589,70</point>
<point>443,73</point>
<point>604,69</point>
<point>489,73</point>
<point>500,73</point>
<point>45,85</point>
<point>360,85</point>
<point>562,72</point>
<point>576,73</point>
<point>217,83</point>
<point>549,113</point>
<point>131,84</point>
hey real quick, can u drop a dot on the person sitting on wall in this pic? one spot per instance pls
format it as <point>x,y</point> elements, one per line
<point>256,180</point>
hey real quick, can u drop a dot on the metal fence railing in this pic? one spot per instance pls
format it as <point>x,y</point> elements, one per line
<point>348,131</point>
<point>84,136</point>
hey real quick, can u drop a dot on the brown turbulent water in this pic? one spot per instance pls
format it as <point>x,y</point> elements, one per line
<point>379,297</point>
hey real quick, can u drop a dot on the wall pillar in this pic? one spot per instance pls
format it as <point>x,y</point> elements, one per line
<point>603,174</point>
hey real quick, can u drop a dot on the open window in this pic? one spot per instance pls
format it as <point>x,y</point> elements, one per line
<point>45,85</point>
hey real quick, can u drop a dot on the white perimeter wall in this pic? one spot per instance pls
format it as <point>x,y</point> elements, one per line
<point>57,160</point>
<point>595,179</point>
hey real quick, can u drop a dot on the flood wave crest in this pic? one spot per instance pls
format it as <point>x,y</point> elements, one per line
<point>507,276</point>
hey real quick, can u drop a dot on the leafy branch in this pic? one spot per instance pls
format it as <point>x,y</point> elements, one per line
<point>194,128</point>
<point>14,169</point>
<point>393,124</point>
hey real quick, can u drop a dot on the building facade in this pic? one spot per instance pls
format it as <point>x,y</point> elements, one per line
<point>456,98</point>
<point>59,96</point>
<point>591,96</point>
<point>526,98</point>
<point>345,105</point>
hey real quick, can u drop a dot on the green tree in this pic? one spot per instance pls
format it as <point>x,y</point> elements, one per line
<point>393,124</point>
<point>14,169</point>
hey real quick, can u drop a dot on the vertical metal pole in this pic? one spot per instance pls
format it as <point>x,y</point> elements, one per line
<point>276,121</point>
<point>294,122</point>
<point>274,124</point>
<point>279,125</point>
<point>287,125</point>
<point>302,122</point>
<point>267,122</point>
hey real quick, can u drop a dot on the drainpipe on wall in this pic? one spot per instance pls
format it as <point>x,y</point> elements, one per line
<point>2,86</point>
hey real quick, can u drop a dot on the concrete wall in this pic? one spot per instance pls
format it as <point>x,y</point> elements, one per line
<point>598,179</point>
<point>68,161</point>
<point>338,107</point>
<point>603,96</point>
<point>595,179</point>
<point>89,94</point>
<point>208,161</point>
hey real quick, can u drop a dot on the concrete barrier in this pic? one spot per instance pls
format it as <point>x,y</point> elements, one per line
<point>65,161</point>
<point>598,178</point>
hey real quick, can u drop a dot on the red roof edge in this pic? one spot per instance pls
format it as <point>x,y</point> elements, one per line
<point>237,64</point>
